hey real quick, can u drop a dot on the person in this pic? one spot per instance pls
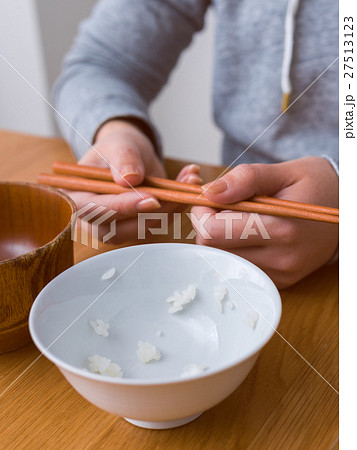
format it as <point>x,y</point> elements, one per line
<point>265,51</point>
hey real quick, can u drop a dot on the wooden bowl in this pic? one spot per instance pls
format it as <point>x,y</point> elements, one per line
<point>35,246</point>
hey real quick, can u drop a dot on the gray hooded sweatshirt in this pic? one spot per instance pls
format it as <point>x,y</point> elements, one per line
<point>125,51</point>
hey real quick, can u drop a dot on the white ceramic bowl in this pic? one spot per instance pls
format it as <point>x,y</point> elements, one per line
<point>133,302</point>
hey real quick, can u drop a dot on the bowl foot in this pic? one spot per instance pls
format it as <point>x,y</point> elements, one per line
<point>163,425</point>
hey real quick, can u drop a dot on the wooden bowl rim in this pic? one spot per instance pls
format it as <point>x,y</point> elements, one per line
<point>55,191</point>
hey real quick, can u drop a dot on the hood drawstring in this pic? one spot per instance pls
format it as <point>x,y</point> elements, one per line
<point>288,52</point>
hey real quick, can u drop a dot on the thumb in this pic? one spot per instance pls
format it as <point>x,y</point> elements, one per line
<point>127,167</point>
<point>248,180</point>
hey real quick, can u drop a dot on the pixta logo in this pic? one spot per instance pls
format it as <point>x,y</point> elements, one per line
<point>87,220</point>
<point>252,227</point>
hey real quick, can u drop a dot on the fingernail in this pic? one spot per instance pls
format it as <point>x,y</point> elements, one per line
<point>194,167</point>
<point>128,170</point>
<point>148,204</point>
<point>216,187</point>
<point>192,179</point>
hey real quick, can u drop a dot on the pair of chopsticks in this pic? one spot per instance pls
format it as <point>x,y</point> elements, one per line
<point>99,180</point>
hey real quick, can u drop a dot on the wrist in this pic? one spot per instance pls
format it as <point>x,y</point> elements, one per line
<point>127,124</point>
<point>113,126</point>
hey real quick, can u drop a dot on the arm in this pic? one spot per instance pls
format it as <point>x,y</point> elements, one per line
<point>120,60</point>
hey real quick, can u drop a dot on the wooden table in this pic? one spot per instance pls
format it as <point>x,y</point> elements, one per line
<point>283,403</point>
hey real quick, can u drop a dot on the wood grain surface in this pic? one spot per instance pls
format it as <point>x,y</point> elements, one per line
<point>288,401</point>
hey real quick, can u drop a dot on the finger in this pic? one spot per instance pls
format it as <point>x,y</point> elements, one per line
<point>125,205</point>
<point>232,229</point>
<point>191,170</point>
<point>127,166</point>
<point>124,160</point>
<point>248,180</point>
<point>191,179</point>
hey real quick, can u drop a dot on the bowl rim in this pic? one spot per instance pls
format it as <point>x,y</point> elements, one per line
<point>70,223</point>
<point>83,372</point>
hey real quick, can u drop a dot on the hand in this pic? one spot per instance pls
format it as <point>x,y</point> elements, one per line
<point>130,155</point>
<point>295,247</point>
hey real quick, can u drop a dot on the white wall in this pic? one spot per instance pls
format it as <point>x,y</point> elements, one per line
<point>183,111</point>
<point>34,36</point>
<point>58,23</point>
<point>20,107</point>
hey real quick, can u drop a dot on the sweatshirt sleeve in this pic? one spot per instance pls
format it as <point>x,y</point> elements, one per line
<point>120,60</point>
